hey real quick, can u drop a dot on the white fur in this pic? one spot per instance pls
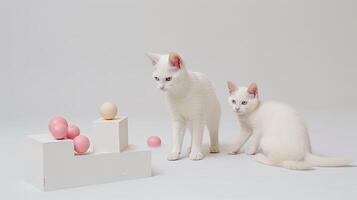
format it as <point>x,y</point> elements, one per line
<point>278,130</point>
<point>192,103</point>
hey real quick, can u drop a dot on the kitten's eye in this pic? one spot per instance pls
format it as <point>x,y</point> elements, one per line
<point>156,78</point>
<point>244,102</point>
<point>234,101</point>
<point>168,78</point>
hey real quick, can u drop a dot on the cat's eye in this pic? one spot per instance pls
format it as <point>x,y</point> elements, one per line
<point>244,102</point>
<point>234,101</point>
<point>168,78</point>
<point>156,78</point>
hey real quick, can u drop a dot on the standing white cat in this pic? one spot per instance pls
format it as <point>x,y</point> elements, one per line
<point>277,130</point>
<point>192,102</point>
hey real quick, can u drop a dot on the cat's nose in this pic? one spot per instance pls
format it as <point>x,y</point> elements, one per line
<point>162,87</point>
<point>237,109</point>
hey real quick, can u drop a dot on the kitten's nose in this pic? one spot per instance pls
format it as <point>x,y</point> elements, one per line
<point>162,87</point>
<point>237,109</point>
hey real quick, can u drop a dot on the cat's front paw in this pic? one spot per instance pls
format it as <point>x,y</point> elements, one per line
<point>173,156</point>
<point>250,151</point>
<point>214,149</point>
<point>234,152</point>
<point>196,155</point>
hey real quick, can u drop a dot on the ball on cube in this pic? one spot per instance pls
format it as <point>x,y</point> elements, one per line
<point>73,131</point>
<point>59,131</point>
<point>108,110</point>
<point>154,141</point>
<point>57,120</point>
<point>81,144</point>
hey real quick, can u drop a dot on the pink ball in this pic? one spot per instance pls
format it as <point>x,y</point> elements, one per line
<point>81,144</point>
<point>57,120</point>
<point>59,131</point>
<point>73,131</point>
<point>154,141</point>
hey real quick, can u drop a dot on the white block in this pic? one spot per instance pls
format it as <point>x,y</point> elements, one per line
<point>51,164</point>
<point>110,135</point>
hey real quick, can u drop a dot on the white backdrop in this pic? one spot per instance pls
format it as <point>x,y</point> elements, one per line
<point>66,57</point>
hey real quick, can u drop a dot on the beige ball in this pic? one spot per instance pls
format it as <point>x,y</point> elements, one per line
<point>108,110</point>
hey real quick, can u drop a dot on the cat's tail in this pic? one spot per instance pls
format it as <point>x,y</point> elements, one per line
<point>320,161</point>
<point>296,165</point>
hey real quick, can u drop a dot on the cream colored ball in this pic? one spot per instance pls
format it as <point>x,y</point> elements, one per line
<point>108,110</point>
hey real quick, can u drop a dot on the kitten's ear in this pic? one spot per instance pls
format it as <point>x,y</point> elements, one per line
<point>154,58</point>
<point>253,89</point>
<point>175,60</point>
<point>231,87</point>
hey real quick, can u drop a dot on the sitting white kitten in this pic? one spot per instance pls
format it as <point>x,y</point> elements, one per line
<point>192,102</point>
<point>277,129</point>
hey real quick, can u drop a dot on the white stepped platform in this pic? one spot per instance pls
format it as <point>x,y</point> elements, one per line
<point>110,135</point>
<point>51,164</point>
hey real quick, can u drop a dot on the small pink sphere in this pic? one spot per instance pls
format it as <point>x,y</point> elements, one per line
<point>81,144</point>
<point>154,141</point>
<point>73,131</point>
<point>57,120</point>
<point>59,131</point>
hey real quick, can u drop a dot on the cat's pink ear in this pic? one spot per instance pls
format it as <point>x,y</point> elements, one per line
<point>154,58</point>
<point>175,60</point>
<point>253,89</point>
<point>231,87</point>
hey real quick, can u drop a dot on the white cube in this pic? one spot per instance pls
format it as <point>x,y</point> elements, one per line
<point>110,135</point>
<point>51,164</point>
<point>39,163</point>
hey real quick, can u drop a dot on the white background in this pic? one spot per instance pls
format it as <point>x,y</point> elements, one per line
<point>67,57</point>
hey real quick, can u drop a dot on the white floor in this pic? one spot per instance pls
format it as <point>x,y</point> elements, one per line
<point>218,176</point>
